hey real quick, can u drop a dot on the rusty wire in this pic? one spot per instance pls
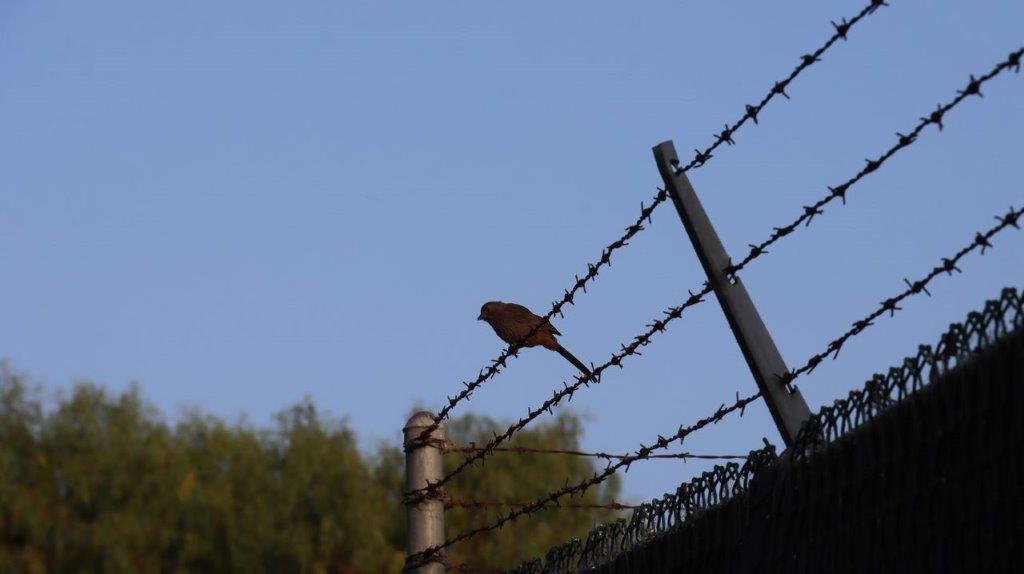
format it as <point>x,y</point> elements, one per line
<point>467,568</point>
<point>948,265</point>
<point>672,313</point>
<point>468,503</point>
<point>751,112</point>
<point>452,447</point>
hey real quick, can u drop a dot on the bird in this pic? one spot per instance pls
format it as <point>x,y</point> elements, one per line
<point>512,322</point>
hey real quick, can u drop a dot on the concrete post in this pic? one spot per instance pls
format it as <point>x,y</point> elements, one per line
<point>423,464</point>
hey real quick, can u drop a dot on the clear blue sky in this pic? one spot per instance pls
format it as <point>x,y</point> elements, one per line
<point>240,205</point>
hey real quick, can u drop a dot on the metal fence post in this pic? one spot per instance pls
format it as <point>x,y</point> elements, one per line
<point>787,406</point>
<point>423,465</point>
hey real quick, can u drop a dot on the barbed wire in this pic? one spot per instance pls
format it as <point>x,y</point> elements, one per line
<point>672,313</point>
<point>779,88</point>
<point>973,88</point>
<point>467,568</point>
<point>426,555</point>
<point>948,265</point>
<point>963,342</point>
<point>842,28</point>
<point>452,447</point>
<point>468,503</point>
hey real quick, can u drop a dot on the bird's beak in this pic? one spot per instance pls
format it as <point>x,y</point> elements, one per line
<point>480,317</point>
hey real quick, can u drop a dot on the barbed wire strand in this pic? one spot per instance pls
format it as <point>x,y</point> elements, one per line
<point>452,447</point>
<point>468,568</point>
<point>468,503</point>
<point>672,313</point>
<point>842,28</point>
<point>948,265</point>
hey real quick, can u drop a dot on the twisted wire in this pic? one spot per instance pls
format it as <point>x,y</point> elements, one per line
<point>452,447</point>
<point>467,568</point>
<point>841,29</point>
<point>468,503</point>
<point>948,265</point>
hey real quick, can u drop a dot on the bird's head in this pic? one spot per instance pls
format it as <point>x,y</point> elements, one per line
<point>489,311</point>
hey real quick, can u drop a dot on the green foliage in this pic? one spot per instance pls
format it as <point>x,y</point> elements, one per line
<point>102,483</point>
<point>521,478</point>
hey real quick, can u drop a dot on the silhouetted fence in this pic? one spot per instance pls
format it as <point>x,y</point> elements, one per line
<point>918,471</point>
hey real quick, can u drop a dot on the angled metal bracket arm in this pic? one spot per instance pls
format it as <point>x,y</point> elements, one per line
<point>788,408</point>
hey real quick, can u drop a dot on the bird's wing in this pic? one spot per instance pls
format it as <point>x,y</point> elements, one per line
<point>522,315</point>
<point>517,312</point>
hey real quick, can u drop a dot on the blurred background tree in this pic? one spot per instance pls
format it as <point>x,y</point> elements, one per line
<point>521,478</point>
<point>101,482</point>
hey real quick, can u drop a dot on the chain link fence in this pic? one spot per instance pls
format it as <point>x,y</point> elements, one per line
<point>919,470</point>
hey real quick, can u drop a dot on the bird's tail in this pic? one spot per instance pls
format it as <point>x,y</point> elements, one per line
<point>576,362</point>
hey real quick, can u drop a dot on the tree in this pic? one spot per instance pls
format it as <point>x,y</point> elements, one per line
<point>102,482</point>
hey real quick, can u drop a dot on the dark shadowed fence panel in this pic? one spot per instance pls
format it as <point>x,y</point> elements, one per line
<point>921,470</point>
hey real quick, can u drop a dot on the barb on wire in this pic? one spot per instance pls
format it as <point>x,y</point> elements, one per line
<point>948,265</point>
<point>973,88</point>
<point>1012,62</point>
<point>700,158</point>
<point>452,447</point>
<point>466,503</point>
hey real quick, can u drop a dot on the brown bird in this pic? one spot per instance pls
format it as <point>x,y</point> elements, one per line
<point>513,322</point>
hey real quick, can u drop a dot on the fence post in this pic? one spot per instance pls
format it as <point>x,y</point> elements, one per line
<point>423,465</point>
<point>787,406</point>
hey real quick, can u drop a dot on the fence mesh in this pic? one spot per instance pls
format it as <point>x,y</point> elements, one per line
<point>919,470</point>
